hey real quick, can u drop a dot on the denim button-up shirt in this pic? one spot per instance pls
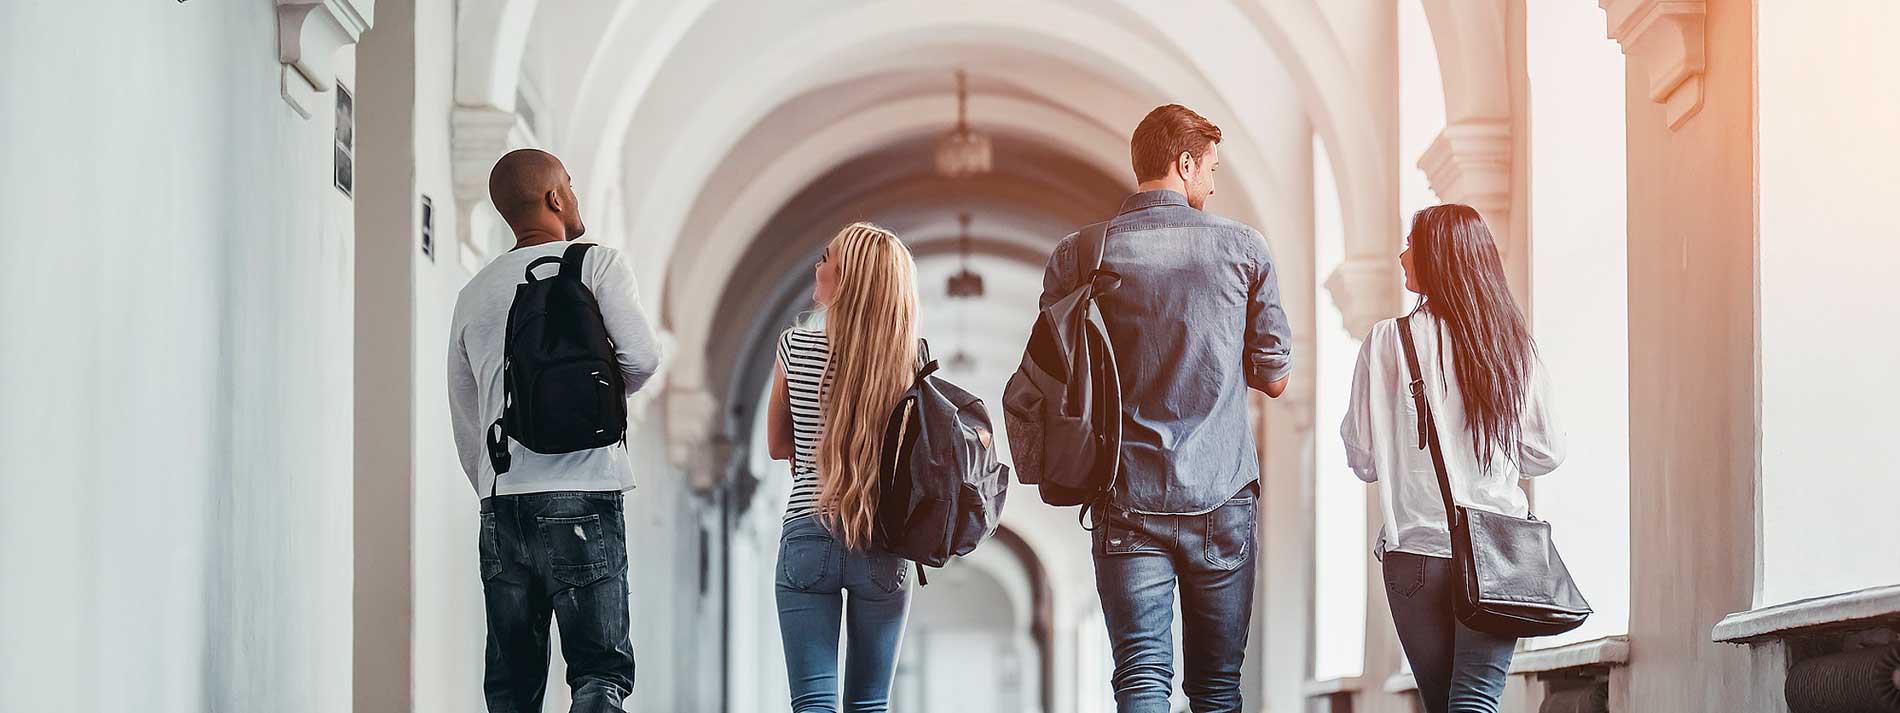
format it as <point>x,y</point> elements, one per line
<point>1197,320</point>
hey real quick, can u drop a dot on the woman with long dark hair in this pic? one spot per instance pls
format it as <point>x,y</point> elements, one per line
<point>832,395</point>
<point>1489,403</point>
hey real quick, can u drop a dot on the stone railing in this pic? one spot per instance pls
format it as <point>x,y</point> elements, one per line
<point>1836,653</point>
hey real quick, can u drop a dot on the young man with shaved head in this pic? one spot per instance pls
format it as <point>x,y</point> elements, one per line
<point>1195,323</point>
<point>553,536</point>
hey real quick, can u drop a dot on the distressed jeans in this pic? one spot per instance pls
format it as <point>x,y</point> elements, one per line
<point>815,572</point>
<point>1139,562</point>
<point>565,554</point>
<point>1459,669</point>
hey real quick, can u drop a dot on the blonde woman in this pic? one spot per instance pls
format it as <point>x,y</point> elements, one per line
<point>831,397</point>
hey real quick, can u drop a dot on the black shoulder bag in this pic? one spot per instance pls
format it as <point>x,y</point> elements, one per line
<point>1510,580</point>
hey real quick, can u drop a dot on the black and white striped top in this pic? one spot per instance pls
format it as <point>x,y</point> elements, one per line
<point>803,354</point>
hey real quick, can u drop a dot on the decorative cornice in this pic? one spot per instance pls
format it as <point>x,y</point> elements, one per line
<point>1864,607</point>
<point>309,32</point>
<point>478,136</point>
<point>1596,653</point>
<point>694,441</point>
<point>1362,288</point>
<point>1332,687</point>
<point>1666,36</point>
<point>1470,163</point>
<point>1400,682</point>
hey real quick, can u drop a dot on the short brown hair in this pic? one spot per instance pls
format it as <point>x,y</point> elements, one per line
<point>1164,134</point>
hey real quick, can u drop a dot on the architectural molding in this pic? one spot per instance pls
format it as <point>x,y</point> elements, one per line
<point>1666,37</point>
<point>1400,682</point>
<point>309,32</point>
<point>694,441</point>
<point>478,136</point>
<point>1470,163</point>
<point>1866,607</point>
<point>1601,653</point>
<point>1332,687</point>
<point>1361,288</point>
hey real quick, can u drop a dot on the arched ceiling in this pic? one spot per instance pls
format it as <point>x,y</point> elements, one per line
<point>707,118</point>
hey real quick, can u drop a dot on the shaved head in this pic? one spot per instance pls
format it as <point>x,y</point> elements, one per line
<point>532,191</point>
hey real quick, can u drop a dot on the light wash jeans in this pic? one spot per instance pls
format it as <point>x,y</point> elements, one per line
<point>1459,669</point>
<point>815,571</point>
<point>1141,561</point>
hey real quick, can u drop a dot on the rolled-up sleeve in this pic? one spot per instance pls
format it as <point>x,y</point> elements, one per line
<point>1356,429</point>
<point>1269,338</point>
<point>1541,445</point>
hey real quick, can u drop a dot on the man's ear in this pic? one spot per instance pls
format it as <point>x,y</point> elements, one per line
<point>552,199</point>
<point>1184,165</point>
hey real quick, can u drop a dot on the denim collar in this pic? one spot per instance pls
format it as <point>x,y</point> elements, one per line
<point>1150,199</point>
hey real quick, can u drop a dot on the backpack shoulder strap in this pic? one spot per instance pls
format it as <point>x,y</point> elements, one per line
<point>1089,244</point>
<point>573,259</point>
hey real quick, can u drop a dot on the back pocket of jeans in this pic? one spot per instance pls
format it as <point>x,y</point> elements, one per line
<point>577,548</point>
<point>804,559</point>
<point>1404,573</point>
<point>1121,533</point>
<point>1230,532</point>
<point>887,570</point>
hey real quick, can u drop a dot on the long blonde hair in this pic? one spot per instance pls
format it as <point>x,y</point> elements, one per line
<point>871,331</point>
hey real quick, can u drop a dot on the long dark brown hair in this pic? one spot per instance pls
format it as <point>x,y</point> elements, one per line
<point>1462,277</point>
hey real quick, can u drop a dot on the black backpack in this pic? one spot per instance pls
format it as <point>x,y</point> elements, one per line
<point>941,486</point>
<point>1063,405</point>
<point>561,382</point>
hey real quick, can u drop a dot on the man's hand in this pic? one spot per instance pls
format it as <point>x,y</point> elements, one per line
<point>1275,388</point>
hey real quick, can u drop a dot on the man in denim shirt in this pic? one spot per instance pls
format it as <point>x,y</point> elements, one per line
<point>1197,320</point>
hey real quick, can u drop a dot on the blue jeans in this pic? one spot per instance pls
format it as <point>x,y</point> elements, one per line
<point>1138,561</point>
<point>1459,669</point>
<point>565,554</point>
<point>815,570</point>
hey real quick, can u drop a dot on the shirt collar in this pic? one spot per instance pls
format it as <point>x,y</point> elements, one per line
<point>1150,199</point>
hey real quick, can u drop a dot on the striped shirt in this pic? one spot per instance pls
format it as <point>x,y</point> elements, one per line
<point>803,354</point>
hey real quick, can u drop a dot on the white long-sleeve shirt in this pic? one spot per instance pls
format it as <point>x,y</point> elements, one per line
<point>476,354</point>
<point>1382,445</point>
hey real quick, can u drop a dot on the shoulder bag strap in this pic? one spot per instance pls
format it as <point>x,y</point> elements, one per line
<point>1427,427</point>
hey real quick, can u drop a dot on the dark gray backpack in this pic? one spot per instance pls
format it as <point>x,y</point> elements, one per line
<point>942,488</point>
<point>1063,405</point>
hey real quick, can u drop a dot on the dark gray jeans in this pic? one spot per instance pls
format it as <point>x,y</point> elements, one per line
<point>1459,669</point>
<point>565,554</point>
<point>1139,560</point>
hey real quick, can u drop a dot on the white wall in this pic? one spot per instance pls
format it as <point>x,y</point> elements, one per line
<point>1340,549</point>
<point>449,617</point>
<point>1829,160</point>
<point>1579,297</point>
<point>175,434</point>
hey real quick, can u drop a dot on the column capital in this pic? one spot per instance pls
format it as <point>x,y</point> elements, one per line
<point>1470,163</point>
<point>1666,37</point>
<point>478,136</point>
<point>309,32</point>
<point>694,440</point>
<point>1362,289</point>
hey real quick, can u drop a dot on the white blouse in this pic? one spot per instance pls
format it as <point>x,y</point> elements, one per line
<point>1381,434</point>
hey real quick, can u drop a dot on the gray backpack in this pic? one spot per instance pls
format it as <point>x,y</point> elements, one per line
<point>1063,405</point>
<point>942,487</point>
